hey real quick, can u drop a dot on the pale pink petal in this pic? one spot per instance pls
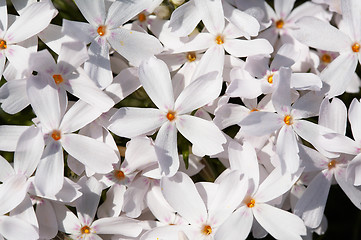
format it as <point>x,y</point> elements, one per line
<point>81,86</point>
<point>18,56</point>
<point>354,116</point>
<point>48,227</point>
<point>338,80</point>
<point>243,21</point>
<point>13,96</point>
<point>166,149</point>
<point>98,65</point>
<point>122,11</point>
<point>86,206</point>
<point>354,170</point>
<point>133,45</point>
<point>73,53</point>
<point>49,176</point>
<point>198,93</point>
<point>335,142</point>
<point>117,225</point>
<point>237,226</point>
<point>81,31</point>
<point>33,20</point>
<point>24,230</point>
<point>287,226</point>
<point>94,154</point>
<point>155,78</point>
<point>352,192</point>
<point>184,19</point>
<point>44,100</point>
<point>261,123</point>
<point>132,122</point>
<point>229,114</point>
<point>245,48</point>
<point>6,169</point>
<point>183,196</point>
<point>134,197</point>
<point>67,221</point>
<point>113,203</point>
<point>313,201</point>
<point>283,7</point>
<point>212,15</point>
<point>12,192</point>
<point>93,12</point>
<point>321,35</point>
<point>205,135</point>
<point>28,151</point>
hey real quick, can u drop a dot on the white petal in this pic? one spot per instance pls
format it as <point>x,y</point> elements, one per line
<point>73,53</point>
<point>48,227</point>
<point>261,123</point>
<point>122,11</point>
<point>81,31</point>
<point>354,116</point>
<point>94,154</point>
<point>33,20</point>
<point>229,114</point>
<point>166,149</point>
<point>13,96</point>
<point>243,85</point>
<point>281,98</point>
<point>10,136</point>
<point>308,105</point>
<point>67,221</point>
<point>24,230</point>
<point>53,37</point>
<point>352,192</point>
<point>28,151</point>
<point>287,149</point>
<point>183,196</point>
<point>113,203</point>
<point>155,78</point>
<point>287,226</point>
<point>3,16</point>
<point>93,12</point>
<point>6,169</point>
<point>237,226</point>
<point>98,65</point>
<point>321,35</point>
<point>201,133</point>
<point>49,176</point>
<point>351,16</point>
<point>134,197</point>
<point>18,56</point>
<point>313,201</point>
<point>333,115</point>
<point>184,19</point>
<point>283,7</point>
<point>338,80</point>
<point>200,92</point>
<point>12,192</point>
<point>245,48</point>
<point>132,122</point>
<point>44,100</point>
<point>117,225</point>
<point>354,169</point>
<point>212,15</point>
<point>133,45</point>
<point>306,81</point>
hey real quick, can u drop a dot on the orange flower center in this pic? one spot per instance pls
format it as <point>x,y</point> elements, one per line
<point>356,47</point>
<point>56,135</point>
<point>102,30</point>
<point>142,17</point>
<point>85,230</point>
<point>270,79</point>
<point>251,203</point>
<point>191,56</point>
<point>254,110</point>
<point>332,164</point>
<point>279,24</point>
<point>288,120</point>
<point>219,39</point>
<point>207,230</point>
<point>119,174</point>
<point>326,58</point>
<point>171,115</point>
<point>3,44</point>
<point>58,78</point>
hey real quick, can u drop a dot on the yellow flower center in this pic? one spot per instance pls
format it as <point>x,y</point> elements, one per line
<point>326,58</point>
<point>171,115</point>
<point>142,17</point>
<point>219,39</point>
<point>102,30</point>
<point>207,230</point>
<point>119,174</point>
<point>251,203</point>
<point>270,79</point>
<point>56,135</point>
<point>279,24</point>
<point>191,56</point>
<point>58,78</point>
<point>85,230</point>
<point>332,164</point>
<point>355,47</point>
<point>3,44</point>
<point>288,120</point>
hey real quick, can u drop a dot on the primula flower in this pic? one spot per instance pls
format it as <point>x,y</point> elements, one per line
<point>171,115</point>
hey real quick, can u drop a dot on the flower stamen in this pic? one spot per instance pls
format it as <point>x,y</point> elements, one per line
<point>102,30</point>
<point>251,203</point>
<point>58,78</point>
<point>191,56</point>
<point>207,230</point>
<point>356,47</point>
<point>3,44</point>
<point>332,164</point>
<point>171,115</point>
<point>280,23</point>
<point>288,120</point>
<point>56,135</point>
<point>85,230</point>
<point>270,79</point>
<point>142,17</point>
<point>219,39</point>
<point>118,174</point>
<point>326,58</point>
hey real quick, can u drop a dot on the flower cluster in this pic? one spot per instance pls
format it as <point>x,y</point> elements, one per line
<point>130,103</point>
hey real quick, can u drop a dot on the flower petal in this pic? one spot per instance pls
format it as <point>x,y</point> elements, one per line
<point>13,96</point>
<point>212,15</point>
<point>12,192</point>
<point>24,230</point>
<point>245,48</point>
<point>93,12</point>
<point>184,19</point>
<point>117,225</point>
